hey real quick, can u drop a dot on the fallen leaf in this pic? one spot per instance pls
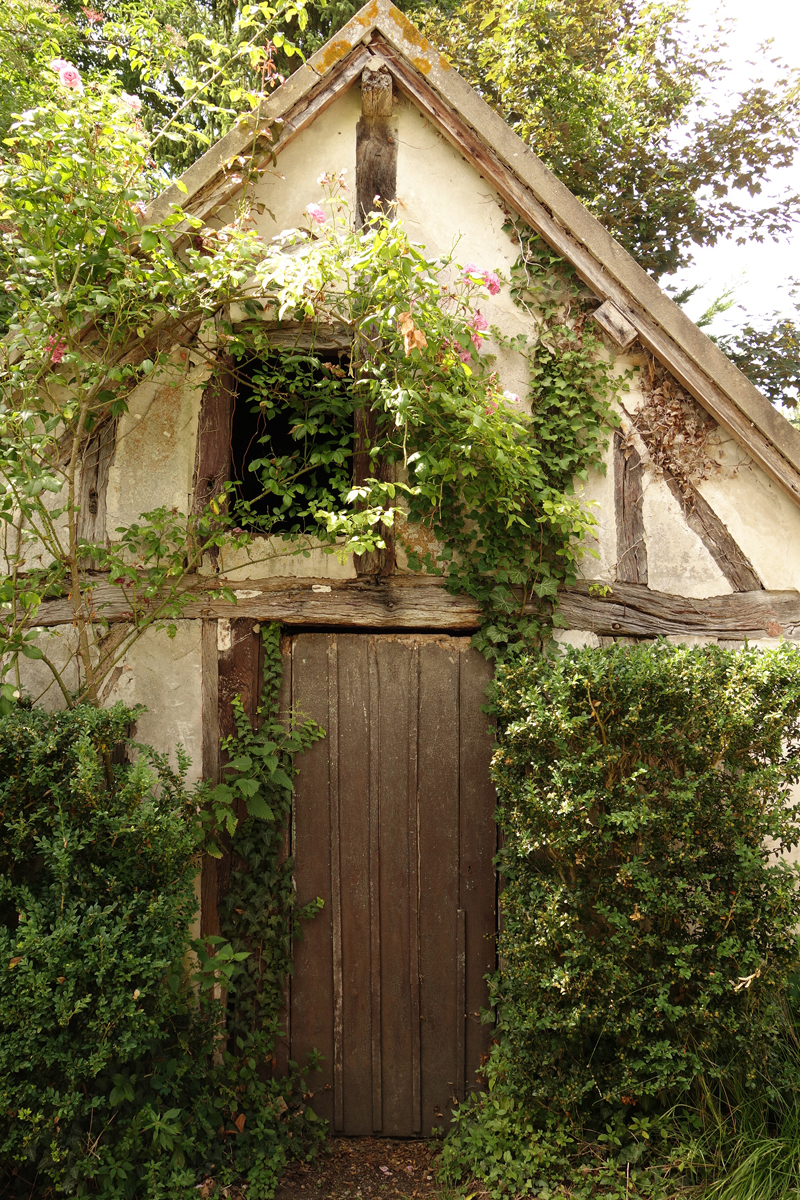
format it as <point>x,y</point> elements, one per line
<point>239,1122</point>
<point>13,962</point>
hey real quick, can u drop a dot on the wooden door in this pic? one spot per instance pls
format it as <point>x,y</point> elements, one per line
<point>393,828</point>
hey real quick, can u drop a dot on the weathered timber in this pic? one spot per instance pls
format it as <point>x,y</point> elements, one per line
<point>701,518</point>
<point>97,459</point>
<point>376,144</point>
<point>630,610</point>
<point>376,191</point>
<point>614,322</point>
<point>629,509</point>
<point>468,143</point>
<point>212,464</point>
<point>300,335</point>
<point>418,602</point>
<point>209,883</point>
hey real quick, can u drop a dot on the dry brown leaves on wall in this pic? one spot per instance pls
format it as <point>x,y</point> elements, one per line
<point>674,428</point>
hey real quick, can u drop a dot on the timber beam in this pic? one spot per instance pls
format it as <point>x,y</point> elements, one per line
<point>413,602</point>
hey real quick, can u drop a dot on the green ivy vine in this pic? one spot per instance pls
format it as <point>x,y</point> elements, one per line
<point>259,917</point>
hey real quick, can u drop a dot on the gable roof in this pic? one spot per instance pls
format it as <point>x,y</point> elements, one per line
<point>526,185</point>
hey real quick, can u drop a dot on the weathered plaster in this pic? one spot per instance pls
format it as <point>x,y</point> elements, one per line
<point>59,644</point>
<point>164,674</point>
<point>759,515</point>
<point>153,460</point>
<point>160,672</point>
<point>329,144</point>
<point>272,558</point>
<point>579,638</point>
<point>598,494</point>
<point>677,560</point>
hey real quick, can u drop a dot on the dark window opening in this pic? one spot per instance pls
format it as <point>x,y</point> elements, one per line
<point>291,439</point>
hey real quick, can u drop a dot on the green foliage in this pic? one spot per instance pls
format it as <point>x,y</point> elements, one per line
<point>122,1074</point>
<point>259,919</point>
<point>301,461</point>
<point>455,454</point>
<point>649,919</point>
<point>769,354</point>
<point>646,925</point>
<point>96,897</point>
<point>614,96</point>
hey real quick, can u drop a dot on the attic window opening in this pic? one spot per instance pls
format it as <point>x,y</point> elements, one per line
<point>291,439</point>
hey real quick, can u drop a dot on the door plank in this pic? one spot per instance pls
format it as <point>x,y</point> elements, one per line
<point>478,834</point>
<point>312,986</point>
<point>354,769</point>
<point>393,657</point>
<point>332,732</point>
<point>438,802</point>
<point>394,828</point>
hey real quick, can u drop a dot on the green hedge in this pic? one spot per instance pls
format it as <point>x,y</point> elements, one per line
<point>647,922</point>
<point>96,898</point>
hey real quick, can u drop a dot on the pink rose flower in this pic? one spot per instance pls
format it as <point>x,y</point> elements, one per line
<point>492,282</point>
<point>133,102</point>
<point>56,349</point>
<point>70,77</point>
<point>470,269</point>
<point>316,213</point>
<point>464,355</point>
<point>58,63</point>
<point>490,408</point>
<point>479,322</point>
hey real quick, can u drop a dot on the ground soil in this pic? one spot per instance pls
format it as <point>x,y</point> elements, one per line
<point>371,1168</point>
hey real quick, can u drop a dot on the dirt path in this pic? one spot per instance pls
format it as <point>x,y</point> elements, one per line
<point>374,1168</point>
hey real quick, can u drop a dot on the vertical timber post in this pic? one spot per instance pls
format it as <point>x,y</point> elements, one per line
<point>376,192</point>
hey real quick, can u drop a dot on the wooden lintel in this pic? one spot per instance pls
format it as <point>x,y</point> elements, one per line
<point>408,602</point>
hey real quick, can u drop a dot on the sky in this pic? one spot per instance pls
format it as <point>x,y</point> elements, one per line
<point>759,272</point>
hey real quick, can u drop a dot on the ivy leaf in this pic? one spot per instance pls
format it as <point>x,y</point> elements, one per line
<point>258,807</point>
<point>247,787</point>
<point>242,762</point>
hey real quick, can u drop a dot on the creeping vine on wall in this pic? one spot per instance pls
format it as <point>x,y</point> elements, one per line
<point>491,483</point>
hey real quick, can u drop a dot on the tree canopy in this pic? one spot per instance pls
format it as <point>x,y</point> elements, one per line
<point>615,96</point>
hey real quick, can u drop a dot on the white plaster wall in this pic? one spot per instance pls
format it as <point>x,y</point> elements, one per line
<point>160,672</point>
<point>677,560</point>
<point>329,144</point>
<point>165,674</point>
<point>600,560</point>
<point>761,518</point>
<point>274,558</point>
<point>154,456</point>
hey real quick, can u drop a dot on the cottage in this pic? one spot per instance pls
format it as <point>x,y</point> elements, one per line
<point>697,537</point>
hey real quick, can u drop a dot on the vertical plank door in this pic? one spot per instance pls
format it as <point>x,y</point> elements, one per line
<point>393,828</point>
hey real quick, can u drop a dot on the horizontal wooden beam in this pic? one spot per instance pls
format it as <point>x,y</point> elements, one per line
<point>410,602</point>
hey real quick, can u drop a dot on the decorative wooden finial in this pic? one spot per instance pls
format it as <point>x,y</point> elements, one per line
<point>376,143</point>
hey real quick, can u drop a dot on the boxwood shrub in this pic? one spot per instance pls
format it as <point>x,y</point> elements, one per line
<point>651,907</point>
<point>96,899</point>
